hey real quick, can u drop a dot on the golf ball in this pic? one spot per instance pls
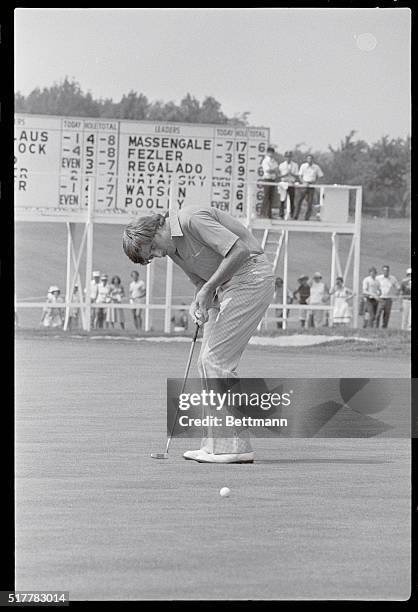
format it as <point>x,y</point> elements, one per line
<point>225,492</point>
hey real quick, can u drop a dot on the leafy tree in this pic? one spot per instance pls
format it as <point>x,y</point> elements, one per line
<point>20,102</point>
<point>210,111</point>
<point>387,184</point>
<point>190,109</point>
<point>132,106</point>
<point>156,111</point>
<point>65,98</point>
<point>239,119</point>
<point>171,112</point>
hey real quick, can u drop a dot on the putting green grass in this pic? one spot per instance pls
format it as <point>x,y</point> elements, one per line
<point>95,515</point>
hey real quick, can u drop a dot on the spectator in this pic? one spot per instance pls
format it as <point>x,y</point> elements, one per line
<point>302,294</point>
<point>137,292</point>
<point>319,295</point>
<point>117,293</point>
<point>181,319</point>
<point>278,299</point>
<point>289,175</point>
<point>74,315</point>
<point>270,174</point>
<point>371,294</point>
<point>406,300</point>
<point>309,173</point>
<point>103,297</point>
<point>341,313</point>
<point>94,291</point>
<point>389,289</point>
<point>53,314</point>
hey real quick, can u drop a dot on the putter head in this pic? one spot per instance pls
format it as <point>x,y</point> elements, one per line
<point>159,455</point>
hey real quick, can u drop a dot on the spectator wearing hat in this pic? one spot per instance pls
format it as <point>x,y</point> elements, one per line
<point>371,294</point>
<point>53,314</point>
<point>117,293</point>
<point>309,173</point>
<point>319,295</point>
<point>289,175</point>
<point>278,299</point>
<point>270,174</point>
<point>389,289</point>
<point>406,300</point>
<point>103,297</point>
<point>302,294</point>
<point>341,313</point>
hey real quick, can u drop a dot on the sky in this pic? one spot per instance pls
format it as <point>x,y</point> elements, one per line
<point>311,75</point>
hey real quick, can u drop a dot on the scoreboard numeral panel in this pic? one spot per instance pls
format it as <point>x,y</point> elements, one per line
<point>133,166</point>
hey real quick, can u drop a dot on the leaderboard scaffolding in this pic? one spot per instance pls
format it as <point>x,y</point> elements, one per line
<point>128,166</point>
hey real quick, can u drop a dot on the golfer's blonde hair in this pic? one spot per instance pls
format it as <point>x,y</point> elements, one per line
<point>138,236</point>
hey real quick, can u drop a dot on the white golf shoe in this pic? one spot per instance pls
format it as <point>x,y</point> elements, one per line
<point>193,454</point>
<point>202,456</point>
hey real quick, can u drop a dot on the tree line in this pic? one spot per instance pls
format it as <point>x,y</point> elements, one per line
<point>383,168</point>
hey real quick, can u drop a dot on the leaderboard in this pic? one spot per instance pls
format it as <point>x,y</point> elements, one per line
<point>61,163</point>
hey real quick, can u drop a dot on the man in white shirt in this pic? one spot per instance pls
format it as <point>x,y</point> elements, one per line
<point>389,288</point>
<point>270,172</point>
<point>371,294</point>
<point>319,295</point>
<point>137,292</point>
<point>103,297</point>
<point>309,173</point>
<point>289,174</point>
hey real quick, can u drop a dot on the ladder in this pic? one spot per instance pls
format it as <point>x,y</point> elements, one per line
<point>272,243</point>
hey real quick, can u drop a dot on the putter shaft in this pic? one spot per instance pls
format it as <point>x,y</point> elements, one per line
<point>186,374</point>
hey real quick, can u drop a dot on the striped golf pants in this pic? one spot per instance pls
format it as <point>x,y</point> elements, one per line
<point>243,301</point>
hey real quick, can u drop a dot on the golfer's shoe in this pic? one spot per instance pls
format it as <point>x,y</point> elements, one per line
<point>201,456</point>
<point>193,454</point>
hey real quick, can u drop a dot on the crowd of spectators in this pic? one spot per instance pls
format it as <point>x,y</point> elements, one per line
<point>378,294</point>
<point>376,300</point>
<point>104,296</point>
<point>315,292</point>
<point>281,180</point>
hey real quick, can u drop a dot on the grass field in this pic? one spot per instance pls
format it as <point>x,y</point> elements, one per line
<point>41,256</point>
<point>310,519</point>
<point>95,515</point>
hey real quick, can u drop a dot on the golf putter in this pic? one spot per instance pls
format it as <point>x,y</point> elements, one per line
<point>189,361</point>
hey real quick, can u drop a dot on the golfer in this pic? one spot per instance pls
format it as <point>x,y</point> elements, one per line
<point>234,286</point>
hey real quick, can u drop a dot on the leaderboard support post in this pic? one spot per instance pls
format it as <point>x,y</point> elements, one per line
<point>169,276</point>
<point>89,248</point>
<point>149,283</point>
<point>68,283</point>
<point>356,266</point>
<point>333,274</point>
<point>285,279</point>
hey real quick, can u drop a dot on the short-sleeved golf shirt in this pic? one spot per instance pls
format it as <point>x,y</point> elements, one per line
<point>389,286</point>
<point>204,236</point>
<point>309,173</point>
